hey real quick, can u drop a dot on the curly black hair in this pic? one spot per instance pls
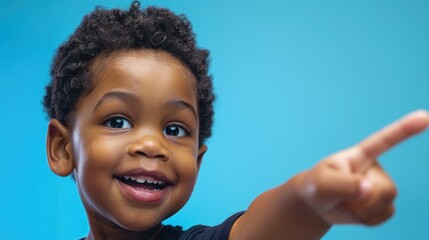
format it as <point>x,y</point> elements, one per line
<point>106,31</point>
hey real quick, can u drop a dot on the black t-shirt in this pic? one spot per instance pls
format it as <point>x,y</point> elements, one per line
<point>199,232</point>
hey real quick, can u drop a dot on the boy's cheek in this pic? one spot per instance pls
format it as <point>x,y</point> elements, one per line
<point>96,154</point>
<point>188,166</point>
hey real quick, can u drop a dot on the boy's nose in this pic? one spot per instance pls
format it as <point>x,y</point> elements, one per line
<point>149,146</point>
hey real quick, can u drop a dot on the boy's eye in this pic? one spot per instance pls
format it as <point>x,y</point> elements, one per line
<point>176,131</point>
<point>117,122</point>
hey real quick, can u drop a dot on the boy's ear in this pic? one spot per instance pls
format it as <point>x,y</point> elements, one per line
<point>58,148</point>
<point>201,151</point>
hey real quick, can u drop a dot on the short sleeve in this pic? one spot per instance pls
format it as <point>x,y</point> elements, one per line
<point>218,232</point>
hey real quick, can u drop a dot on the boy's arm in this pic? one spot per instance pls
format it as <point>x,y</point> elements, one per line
<point>347,187</point>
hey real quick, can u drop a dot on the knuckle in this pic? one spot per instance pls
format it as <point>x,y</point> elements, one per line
<point>381,217</point>
<point>389,193</point>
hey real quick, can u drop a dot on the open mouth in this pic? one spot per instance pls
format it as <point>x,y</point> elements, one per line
<point>143,183</point>
<point>144,186</point>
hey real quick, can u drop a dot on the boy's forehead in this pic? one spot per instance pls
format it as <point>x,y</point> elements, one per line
<point>127,68</point>
<point>121,60</point>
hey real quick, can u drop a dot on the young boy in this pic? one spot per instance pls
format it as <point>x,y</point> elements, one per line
<point>130,103</point>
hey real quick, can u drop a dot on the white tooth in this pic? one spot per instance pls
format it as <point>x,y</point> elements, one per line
<point>141,180</point>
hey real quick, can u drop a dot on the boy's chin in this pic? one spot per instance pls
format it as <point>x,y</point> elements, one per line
<point>143,231</point>
<point>141,223</point>
<point>138,226</point>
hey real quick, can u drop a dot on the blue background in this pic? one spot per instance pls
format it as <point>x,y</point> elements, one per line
<point>295,81</point>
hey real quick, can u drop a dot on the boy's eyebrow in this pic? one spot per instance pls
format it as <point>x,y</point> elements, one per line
<point>128,96</point>
<point>179,103</point>
<point>125,96</point>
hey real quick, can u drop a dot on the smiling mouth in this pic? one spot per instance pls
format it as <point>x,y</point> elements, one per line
<point>144,186</point>
<point>143,183</point>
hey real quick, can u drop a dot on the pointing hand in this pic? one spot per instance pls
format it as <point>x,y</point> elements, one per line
<point>350,186</point>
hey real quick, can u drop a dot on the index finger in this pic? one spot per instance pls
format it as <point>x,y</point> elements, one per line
<point>391,135</point>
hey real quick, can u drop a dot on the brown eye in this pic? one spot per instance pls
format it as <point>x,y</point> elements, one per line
<point>176,131</point>
<point>117,122</point>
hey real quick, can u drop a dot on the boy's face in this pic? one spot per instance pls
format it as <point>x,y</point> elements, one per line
<point>134,140</point>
